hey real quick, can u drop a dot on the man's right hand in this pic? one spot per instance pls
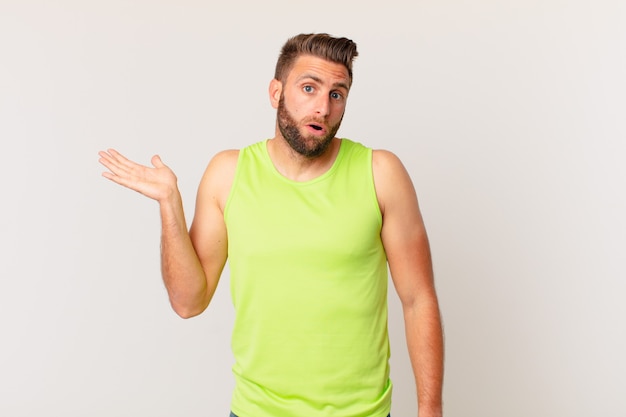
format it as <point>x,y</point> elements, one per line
<point>158,183</point>
<point>191,262</point>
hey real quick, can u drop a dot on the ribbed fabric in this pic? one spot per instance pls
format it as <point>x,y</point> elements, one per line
<point>308,279</point>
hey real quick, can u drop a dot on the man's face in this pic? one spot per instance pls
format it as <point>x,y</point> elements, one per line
<point>312,104</point>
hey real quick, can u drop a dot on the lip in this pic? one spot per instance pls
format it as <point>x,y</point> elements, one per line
<point>319,131</point>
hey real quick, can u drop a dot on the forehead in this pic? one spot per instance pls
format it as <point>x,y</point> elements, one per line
<point>313,66</point>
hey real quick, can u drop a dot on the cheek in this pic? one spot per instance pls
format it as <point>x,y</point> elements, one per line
<point>295,105</point>
<point>301,105</point>
<point>338,110</point>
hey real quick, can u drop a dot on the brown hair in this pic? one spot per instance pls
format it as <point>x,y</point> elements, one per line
<point>338,50</point>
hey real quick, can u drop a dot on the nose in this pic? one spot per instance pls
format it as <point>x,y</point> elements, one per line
<point>322,105</point>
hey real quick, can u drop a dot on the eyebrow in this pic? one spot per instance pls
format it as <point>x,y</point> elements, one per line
<point>319,80</point>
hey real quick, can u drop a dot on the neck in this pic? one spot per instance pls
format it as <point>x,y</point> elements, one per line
<point>297,167</point>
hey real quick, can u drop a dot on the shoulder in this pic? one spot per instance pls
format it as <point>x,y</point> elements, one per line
<point>225,159</point>
<point>218,176</point>
<point>221,168</point>
<point>391,179</point>
<point>384,160</point>
<point>387,167</point>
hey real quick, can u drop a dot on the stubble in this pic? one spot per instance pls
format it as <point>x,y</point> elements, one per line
<point>309,146</point>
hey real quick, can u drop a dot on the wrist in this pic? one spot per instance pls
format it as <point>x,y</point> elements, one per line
<point>171,206</point>
<point>430,411</point>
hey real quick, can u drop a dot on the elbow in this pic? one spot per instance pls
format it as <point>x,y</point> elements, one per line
<point>189,304</point>
<point>187,312</point>
<point>425,300</point>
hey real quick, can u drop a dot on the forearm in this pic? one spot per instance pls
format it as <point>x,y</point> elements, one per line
<point>425,344</point>
<point>182,271</point>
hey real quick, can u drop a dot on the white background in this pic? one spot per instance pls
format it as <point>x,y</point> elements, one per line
<point>509,115</point>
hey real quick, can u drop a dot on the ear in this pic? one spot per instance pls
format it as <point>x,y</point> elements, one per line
<point>275,90</point>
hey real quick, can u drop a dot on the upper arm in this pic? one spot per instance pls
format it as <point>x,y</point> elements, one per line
<point>208,229</point>
<point>403,233</point>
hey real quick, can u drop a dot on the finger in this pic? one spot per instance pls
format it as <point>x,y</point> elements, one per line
<point>124,162</point>
<point>119,174</point>
<point>117,179</point>
<point>105,156</point>
<point>115,154</point>
<point>111,164</point>
<point>122,166</point>
<point>157,162</point>
<point>110,159</point>
<point>106,160</point>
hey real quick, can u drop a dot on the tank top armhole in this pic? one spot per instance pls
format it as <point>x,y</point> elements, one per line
<point>233,187</point>
<point>373,193</point>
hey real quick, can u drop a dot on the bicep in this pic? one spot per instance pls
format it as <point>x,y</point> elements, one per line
<point>208,237</point>
<point>403,232</point>
<point>208,229</point>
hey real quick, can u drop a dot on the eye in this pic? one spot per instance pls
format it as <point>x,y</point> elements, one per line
<point>308,88</point>
<point>336,96</point>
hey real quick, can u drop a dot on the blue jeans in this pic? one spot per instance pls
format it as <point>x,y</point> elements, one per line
<point>232,415</point>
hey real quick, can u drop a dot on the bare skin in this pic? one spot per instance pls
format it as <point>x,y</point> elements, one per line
<point>314,93</point>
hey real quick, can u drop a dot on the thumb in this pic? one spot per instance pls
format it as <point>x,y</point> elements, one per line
<point>156,161</point>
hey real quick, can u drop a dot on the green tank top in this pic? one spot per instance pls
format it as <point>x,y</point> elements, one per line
<point>308,277</point>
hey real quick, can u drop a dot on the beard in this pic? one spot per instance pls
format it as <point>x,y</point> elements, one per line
<point>309,146</point>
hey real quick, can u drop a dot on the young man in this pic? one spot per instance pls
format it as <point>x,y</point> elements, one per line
<point>309,223</point>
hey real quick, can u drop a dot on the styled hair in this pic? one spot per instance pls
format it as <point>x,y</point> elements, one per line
<point>339,50</point>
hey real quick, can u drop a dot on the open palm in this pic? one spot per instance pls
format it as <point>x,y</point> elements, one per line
<point>157,182</point>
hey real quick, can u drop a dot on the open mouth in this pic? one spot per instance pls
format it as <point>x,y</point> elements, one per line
<point>316,127</point>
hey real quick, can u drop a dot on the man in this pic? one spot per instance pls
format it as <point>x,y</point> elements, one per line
<point>308,223</point>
